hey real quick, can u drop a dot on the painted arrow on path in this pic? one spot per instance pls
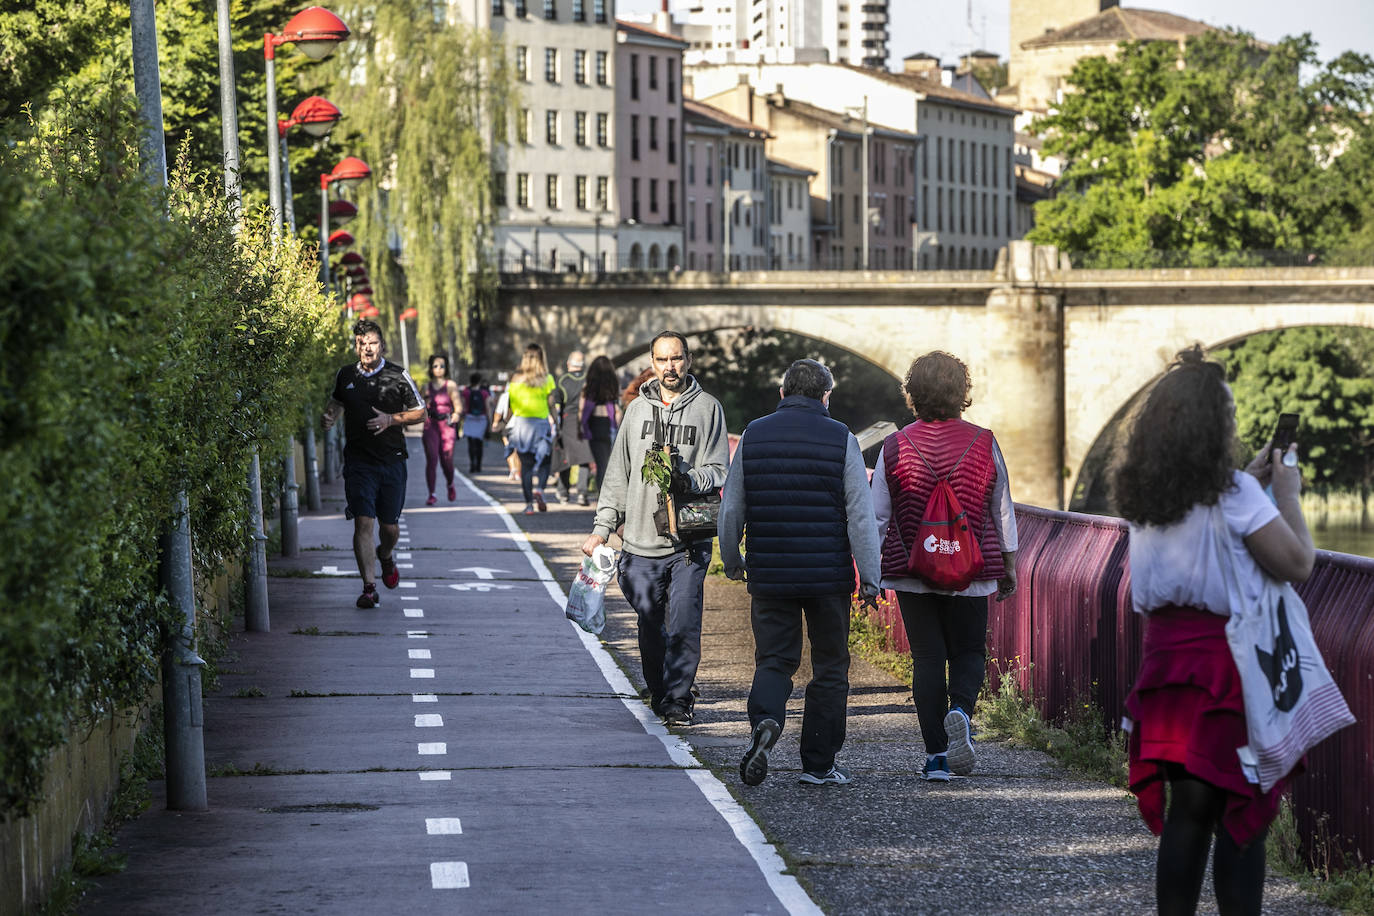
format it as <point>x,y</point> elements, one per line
<point>481,572</point>
<point>482,586</point>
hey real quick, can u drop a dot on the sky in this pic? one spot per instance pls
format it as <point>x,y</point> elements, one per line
<point>941,27</point>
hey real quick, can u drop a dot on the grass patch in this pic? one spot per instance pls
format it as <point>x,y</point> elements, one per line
<point>244,692</point>
<point>870,640</point>
<point>231,769</point>
<point>1329,874</point>
<point>1081,743</point>
<point>315,631</point>
<point>277,572</point>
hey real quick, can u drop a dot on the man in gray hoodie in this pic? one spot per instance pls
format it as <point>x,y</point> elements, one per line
<point>663,577</point>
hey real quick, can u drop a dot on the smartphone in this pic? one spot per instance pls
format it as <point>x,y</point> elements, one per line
<point>1285,432</point>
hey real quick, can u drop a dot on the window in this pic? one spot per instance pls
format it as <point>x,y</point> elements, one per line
<point>691,162</point>
<point>653,195</point>
<point>579,10</point>
<point>653,72</point>
<point>839,215</point>
<point>709,169</point>
<point>551,64</point>
<point>601,73</point>
<point>653,132</point>
<point>551,191</point>
<point>939,159</point>
<point>691,220</point>
<point>603,129</point>
<point>995,177</point>
<point>858,204</point>
<point>672,82</point>
<point>939,211</point>
<point>522,189</point>
<point>498,7</point>
<point>839,165</point>
<point>634,199</point>
<point>963,172</point>
<point>581,192</point>
<point>963,213</point>
<point>983,174</point>
<point>580,67</point>
<point>634,137</point>
<point>634,76</point>
<point>551,127</point>
<point>523,124</point>
<point>925,207</point>
<point>581,128</point>
<point>599,10</point>
<point>672,140</point>
<point>498,188</point>
<point>603,192</point>
<point>522,64</point>
<point>550,9</point>
<point>710,226</point>
<point>520,10</point>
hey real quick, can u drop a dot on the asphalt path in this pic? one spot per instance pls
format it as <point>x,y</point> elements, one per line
<point>461,748</point>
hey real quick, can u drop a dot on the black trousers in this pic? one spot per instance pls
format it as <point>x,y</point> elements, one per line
<point>944,629</point>
<point>777,626</point>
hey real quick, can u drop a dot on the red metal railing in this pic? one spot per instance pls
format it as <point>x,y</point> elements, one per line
<point>1071,636</point>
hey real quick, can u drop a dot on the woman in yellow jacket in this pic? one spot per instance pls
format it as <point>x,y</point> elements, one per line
<point>531,434</point>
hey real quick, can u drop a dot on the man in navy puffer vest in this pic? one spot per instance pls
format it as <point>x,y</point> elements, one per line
<point>798,493</point>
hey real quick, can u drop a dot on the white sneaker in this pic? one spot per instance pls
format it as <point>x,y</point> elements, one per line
<point>960,753</point>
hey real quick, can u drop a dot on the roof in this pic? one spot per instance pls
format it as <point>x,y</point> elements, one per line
<point>1116,24</point>
<point>784,166</point>
<point>693,110</point>
<point>934,90</point>
<point>849,124</point>
<point>627,26</point>
<point>921,55</point>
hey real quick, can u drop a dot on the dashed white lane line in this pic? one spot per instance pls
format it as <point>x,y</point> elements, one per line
<point>407,585</point>
<point>433,748</point>
<point>447,875</point>
<point>402,556</point>
<point>442,826</point>
<point>422,672</point>
<point>405,565</point>
<point>417,634</point>
<point>430,720</point>
<point>423,698</point>
<point>418,653</point>
<point>410,597</point>
<point>435,776</point>
<point>785,887</point>
<point>413,612</point>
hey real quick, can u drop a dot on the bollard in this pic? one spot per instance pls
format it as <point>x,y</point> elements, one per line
<point>183,725</point>
<point>327,469</point>
<point>312,466</point>
<point>290,505</point>
<point>256,618</point>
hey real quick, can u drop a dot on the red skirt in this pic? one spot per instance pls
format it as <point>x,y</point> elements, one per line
<point>1189,710</point>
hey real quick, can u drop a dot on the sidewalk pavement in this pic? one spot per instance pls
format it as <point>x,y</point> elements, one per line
<point>466,703</point>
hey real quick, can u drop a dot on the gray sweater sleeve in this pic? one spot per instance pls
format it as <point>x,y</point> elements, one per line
<point>862,525</point>
<point>730,526</point>
<point>709,473</point>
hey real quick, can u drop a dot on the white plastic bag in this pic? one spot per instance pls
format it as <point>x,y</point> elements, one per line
<point>587,598</point>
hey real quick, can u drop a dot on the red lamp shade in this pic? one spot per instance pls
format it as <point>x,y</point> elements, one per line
<point>349,259</point>
<point>365,290</point>
<point>339,238</point>
<point>316,115</point>
<point>356,272</point>
<point>316,31</point>
<point>408,314</point>
<point>370,312</point>
<point>349,172</point>
<point>341,211</point>
<point>358,301</point>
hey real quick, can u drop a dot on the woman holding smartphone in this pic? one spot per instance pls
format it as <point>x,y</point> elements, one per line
<point>1178,488</point>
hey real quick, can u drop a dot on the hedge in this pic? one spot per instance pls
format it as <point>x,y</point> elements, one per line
<point>144,348</point>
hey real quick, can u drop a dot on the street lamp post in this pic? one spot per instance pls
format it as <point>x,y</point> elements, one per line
<point>348,173</point>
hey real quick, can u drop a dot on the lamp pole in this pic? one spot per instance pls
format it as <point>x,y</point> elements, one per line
<point>865,183</point>
<point>182,723</point>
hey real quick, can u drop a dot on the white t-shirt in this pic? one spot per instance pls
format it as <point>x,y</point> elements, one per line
<point>1178,563</point>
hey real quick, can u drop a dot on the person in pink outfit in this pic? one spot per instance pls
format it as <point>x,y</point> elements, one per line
<point>441,434</point>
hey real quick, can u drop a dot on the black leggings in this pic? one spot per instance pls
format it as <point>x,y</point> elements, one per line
<point>1193,820</point>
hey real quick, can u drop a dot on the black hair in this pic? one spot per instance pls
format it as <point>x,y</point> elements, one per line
<point>475,379</point>
<point>429,363</point>
<point>807,378</point>
<point>664,335</point>
<point>364,326</point>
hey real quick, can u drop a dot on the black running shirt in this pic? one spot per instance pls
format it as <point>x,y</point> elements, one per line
<point>389,389</point>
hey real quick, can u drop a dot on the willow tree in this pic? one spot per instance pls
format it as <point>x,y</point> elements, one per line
<point>426,104</point>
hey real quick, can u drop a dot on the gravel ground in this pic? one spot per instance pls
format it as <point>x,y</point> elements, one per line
<point>1020,835</point>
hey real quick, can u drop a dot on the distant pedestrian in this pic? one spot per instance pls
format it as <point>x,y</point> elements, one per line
<point>440,434</point>
<point>531,434</point>
<point>663,577</point>
<point>377,398</point>
<point>798,493</point>
<point>945,627</point>
<point>632,387</point>
<point>474,411</point>
<point>569,448</point>
<point>599,414</point>
<point>500,423</point>
<point>1178,487</point>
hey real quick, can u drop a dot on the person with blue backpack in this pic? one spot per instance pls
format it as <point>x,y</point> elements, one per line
<point>943,505</point>
<point>474,409</point>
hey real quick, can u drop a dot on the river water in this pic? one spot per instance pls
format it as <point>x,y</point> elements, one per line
<point>1345,540</point>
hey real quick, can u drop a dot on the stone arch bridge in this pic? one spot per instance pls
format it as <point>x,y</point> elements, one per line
<point>1057,355</point>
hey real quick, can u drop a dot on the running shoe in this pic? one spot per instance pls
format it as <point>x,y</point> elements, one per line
<point>677,715</point>
<point>936,769</point>
<point>431,501</point>
<point>391,576</point>
<point>369,598</point>
<point>753,769</point>
<point>582,499</point>
<point>835,776</point>
<point>539,501</point>
<point>961,756</point>
<point>452,493</point>
<point>529,508</point>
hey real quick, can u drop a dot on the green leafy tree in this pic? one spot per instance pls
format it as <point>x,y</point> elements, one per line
<point>1213,162</point>
<point>428,101</point>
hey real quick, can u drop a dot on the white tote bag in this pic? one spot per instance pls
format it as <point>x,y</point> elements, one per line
<point>587,597</point>
<point>1291,702</point>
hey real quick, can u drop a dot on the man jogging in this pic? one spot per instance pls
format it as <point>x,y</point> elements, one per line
<point>661,576</point>
<point>377,398</point>
<point>798,492</point>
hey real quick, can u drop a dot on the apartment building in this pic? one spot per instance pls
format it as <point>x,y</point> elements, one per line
<point>963,179</point>
<point>726,185</point>
<point>554,182</point>
<point>648,161</point>
<point>749,31</point>
<point>789,215</point>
